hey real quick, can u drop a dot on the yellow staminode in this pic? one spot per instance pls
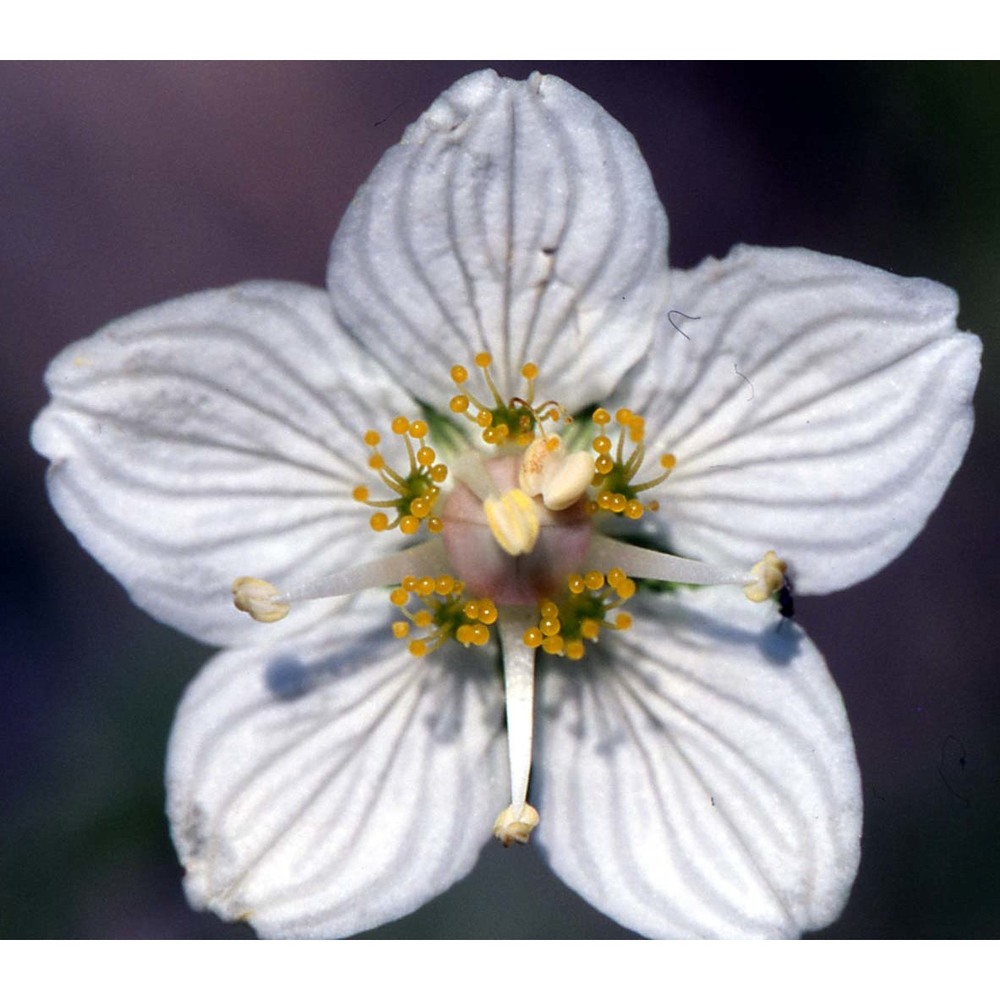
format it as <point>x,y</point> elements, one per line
<point>614,471</point>
<point>416,490</point>
<point>566,625</point>
<point>445,614</point>
<point>504,421</point>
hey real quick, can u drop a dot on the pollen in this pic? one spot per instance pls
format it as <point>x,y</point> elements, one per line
<point>566,624</point>
<point>616,465</point>
<point>415,490</point>
<point>441,613</point>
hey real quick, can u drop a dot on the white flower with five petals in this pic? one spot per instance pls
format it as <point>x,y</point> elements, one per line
<point>348,754</point>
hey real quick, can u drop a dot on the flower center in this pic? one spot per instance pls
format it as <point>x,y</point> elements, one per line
<point>476,529</point>
<point>513,546</point>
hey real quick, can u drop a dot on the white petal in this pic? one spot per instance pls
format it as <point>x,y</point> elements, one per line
<point>211,437</point>
<point>320,789</point>
<point>700,780</point>
<point>514,217</point>
<point>819,408</point>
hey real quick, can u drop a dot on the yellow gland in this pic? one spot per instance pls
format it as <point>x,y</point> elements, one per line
<point>416,490</point>
<point>502,421</point>
<point>565,626</point>
<point>614,470</point>
<point>445,614</point>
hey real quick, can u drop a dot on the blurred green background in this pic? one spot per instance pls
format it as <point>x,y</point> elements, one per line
<point>125,184</point>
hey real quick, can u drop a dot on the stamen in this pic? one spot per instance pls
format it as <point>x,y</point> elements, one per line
<point>559,478</point>
<point>768,577</point>
<point>515,823</point>
<point>426,559</point>
<point>648,564</point>
<point>259,599</point>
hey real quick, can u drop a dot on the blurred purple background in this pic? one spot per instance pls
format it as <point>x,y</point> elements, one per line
<point>125,184</point>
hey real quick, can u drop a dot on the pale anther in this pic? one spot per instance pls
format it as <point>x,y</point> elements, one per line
<point>769,577</point>
<point>513,521</point>
<point>515,826</point>
<point>559,478</point>
<point>257,598</point>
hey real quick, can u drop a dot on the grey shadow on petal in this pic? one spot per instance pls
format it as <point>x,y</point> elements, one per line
<point>778,639</point>
<point>467,679</point>
<point>780,643</point>
<point>288,676</point>
<point>475,683</point>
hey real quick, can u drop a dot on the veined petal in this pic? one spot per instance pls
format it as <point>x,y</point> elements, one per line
<point>320,788</point>
<point>211,437</point>
<point>819,407</point>
<point>517,218</point>
<point>699,780</point>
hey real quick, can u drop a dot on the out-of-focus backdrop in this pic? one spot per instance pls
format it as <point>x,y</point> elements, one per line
<point>125,184</point>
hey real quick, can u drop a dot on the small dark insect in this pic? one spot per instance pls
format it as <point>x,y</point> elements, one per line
<point>786,603</point>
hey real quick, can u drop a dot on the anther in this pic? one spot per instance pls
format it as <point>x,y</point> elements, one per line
<point>560,479</point>
<point>257,598</point>
<point>769,577</point>
<point>513,521</point>
<point>515,826</point>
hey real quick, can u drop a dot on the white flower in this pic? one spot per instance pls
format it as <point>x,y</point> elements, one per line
<point>776,416</point>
